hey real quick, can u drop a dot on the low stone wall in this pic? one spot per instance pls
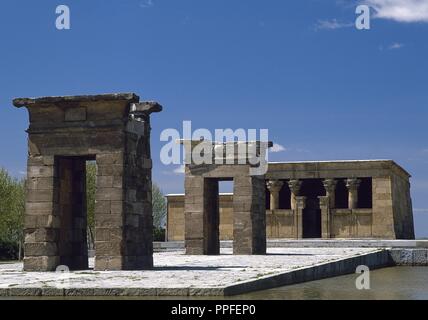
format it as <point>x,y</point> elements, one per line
<point>409,257</point>
<point>332,243</point>
<point>402,252</point>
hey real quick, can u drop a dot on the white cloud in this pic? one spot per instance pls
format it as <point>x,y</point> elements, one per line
<point>179,170</point>
<point>395,46</point>
<point>277,148</point>
<point>22,173</point>
<point>332,24</point>
<point>400,10</point>
<point>147,4</point>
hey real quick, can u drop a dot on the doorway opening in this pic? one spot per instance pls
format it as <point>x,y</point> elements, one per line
<point>341,194</point>
<point>72,210</point>
<point>226,209</point>
<point>285,197</point>
<point>311,220</point>
<point>365,196</point>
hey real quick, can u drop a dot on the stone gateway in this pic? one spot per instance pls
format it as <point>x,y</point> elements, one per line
<point>64,133</point>
<point>201,208</point>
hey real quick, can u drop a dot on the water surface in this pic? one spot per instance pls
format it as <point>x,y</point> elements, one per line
<point>396,283</point>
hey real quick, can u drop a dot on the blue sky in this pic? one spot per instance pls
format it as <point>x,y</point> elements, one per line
<point>324,89</point>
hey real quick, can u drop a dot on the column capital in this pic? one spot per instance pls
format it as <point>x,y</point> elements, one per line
<point>295,186</point>
<point>274,185</point>
<point>330,184</point>
<point>353,183</point>
<point>330,188</point>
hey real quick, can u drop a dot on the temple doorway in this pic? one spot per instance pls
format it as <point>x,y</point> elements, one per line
<point>311,220</point>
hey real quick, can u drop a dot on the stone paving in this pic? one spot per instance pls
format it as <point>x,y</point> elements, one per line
<point>174,274</point>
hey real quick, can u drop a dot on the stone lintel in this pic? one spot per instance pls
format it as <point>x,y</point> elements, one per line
<point>330,169</point>
<point>28,102</point>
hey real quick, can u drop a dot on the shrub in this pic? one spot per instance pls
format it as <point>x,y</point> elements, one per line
<point>9,250</point>
<point>158,234</point>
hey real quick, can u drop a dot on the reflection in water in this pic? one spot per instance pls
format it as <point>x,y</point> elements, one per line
<point>397,283</point>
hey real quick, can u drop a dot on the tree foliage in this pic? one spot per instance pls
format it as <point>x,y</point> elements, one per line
<point>12,208</point>
<point>159,207</point>
<point>91,174</point>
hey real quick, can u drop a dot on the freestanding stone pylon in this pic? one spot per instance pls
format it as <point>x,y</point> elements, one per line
<point>64,133</point>
<point>201,209</point>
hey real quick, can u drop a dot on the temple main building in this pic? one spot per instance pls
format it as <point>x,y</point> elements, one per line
<point>324,199</point>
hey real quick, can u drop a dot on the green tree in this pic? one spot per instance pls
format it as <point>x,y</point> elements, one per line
<point>91,185</point>
<point>159,207</point>
<point>12,208</point>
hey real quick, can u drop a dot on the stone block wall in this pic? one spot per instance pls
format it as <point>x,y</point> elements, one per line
<point>109,211</point>
<point>355,223</point>
<point>41,223</point>
<point>383,215</point>
<point>175,218</point>
<point>280,224</point>
<point>226,216</point>
<point>175,224</point>
<point>202,216</point>
<point>402,208</point>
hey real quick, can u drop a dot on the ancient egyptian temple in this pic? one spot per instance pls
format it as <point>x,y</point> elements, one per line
<point>328,199</point>
<point>295,200</point>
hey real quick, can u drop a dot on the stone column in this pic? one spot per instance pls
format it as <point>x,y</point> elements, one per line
<point>42,221</point>
<point>298,216</point>
<point>201,216</point>
<point>274,187</point>
<point>294,186</point>
<point>249,215</point>
<point>325,217</point>
<point>330,188</point>
<point>352,184</point>
<point>111,221</point>
<point>123,210</point>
